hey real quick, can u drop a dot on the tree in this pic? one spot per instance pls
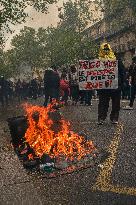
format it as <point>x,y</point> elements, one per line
<point>58,46</point>
<point>64,44</point>
<point>76,16</point>
<point>12,12</point>
<point>6,63</point>
<point>67,43</point>
<point>27,48</point>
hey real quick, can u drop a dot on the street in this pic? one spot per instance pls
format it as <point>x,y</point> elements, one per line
<point>57,57</point>
<point>111,183</point>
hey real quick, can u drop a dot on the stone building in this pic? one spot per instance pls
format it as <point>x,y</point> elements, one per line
<point>119,30</point>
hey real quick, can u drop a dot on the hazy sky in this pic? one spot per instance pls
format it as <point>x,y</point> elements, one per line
<point>38,19</point>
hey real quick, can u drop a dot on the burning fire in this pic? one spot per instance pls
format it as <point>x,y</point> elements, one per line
<point>44,140</point>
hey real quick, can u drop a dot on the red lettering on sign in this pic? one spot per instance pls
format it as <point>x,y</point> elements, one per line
<point>98,64</point>
<point>84,64</point>
<point>94,85</point>
<point>108,83</point>
<point>100,85</point>
<point>91,64</point>
<point>110,63</point>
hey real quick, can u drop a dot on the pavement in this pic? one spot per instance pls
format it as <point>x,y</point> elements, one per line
<point>111,183</point>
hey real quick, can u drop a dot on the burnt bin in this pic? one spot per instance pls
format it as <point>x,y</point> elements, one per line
<point>17,126</point>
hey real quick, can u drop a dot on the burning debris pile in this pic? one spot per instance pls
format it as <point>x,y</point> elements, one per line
<point>43,140</point>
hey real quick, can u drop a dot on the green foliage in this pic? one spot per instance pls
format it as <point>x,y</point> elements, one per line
<point>74,19</point>
<point>41,5</point>
<point>62,46</point>
<point>13,12</point>
<point>76,15</point>
<point>65,44</point>
<point>6,63</point>
<point>27,47</point>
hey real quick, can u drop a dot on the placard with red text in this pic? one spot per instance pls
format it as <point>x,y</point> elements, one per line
<point>98,74</point>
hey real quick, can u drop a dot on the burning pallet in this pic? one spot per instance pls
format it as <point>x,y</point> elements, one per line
<point>44,142</point>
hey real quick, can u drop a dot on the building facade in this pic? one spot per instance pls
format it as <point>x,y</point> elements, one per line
<point>119,30</point>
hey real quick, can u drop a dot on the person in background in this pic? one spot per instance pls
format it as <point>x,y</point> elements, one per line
<point>132,83</point>
<point>64,72</point>
<point>128,86</point>
<point>124,89</point>
<point>51,85</point>
<point>34,88</point>
<point>4,91</point>
<point>74,87</point>
<point>64,88</point>
<point>39,83</point>
<point>86,97</point>
<point>25,90</point>
<point>10,88</point>
<point>18,90</point>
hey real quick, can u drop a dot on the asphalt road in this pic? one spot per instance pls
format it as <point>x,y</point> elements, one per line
<point>113,183</point>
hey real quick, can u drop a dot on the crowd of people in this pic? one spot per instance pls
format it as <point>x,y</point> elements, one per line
<point>64,87</point>
<point>58,85</point>
<point>19,90</point>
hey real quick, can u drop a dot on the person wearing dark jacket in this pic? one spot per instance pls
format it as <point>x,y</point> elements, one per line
<point>18,90</point>
<point>51,85</point>
<point>132,83</point>
<point>4,91</point>
<point>113,94</point>
<point>34,88</point>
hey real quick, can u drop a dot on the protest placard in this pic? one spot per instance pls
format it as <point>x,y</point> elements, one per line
<point>98,74</point>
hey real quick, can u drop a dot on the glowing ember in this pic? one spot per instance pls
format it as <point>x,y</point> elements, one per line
<point>44,140</point>
<point>30,156</point>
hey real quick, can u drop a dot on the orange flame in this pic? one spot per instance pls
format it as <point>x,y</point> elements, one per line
<point>43,140</point>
